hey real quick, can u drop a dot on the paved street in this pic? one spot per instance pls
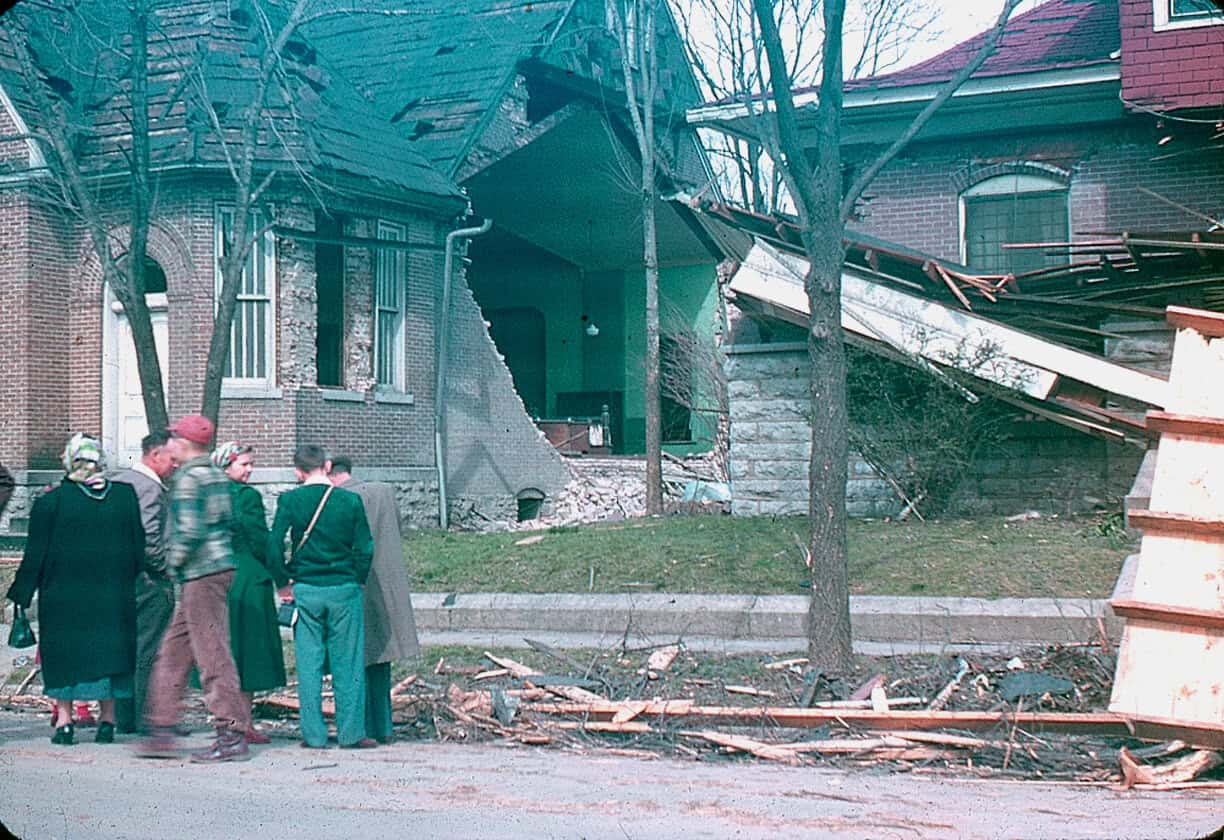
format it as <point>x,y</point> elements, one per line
<point>429,790</point>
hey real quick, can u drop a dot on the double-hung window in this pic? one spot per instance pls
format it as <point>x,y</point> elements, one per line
<point>390,301</point>
<point>1013,209</point>
<point>252,356</point>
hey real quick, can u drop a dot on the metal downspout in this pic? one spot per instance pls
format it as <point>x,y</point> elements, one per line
<point>443,341</point>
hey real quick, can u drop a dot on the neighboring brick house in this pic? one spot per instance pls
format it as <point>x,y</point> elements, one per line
<point>335,339</point>
<point>1084,106</point>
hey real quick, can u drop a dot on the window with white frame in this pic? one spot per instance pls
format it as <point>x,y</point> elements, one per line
<point>390,301</point>
<point>1184,14</point>
<point>1013,209</point>
<point>252,356</point>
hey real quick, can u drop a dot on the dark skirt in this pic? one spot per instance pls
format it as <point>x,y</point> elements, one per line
<point>254,634</point>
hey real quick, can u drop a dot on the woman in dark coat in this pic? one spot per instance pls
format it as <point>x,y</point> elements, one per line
<point>254,634</point>
<point>84,550</point>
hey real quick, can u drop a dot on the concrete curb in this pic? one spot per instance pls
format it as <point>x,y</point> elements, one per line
<point>757,622</point>
<point>882,625</point>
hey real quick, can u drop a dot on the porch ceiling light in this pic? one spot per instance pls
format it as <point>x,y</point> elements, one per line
<point>592,330</point>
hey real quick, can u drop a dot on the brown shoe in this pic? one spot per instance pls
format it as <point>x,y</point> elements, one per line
<point>230,745</point>
<point>363,744</point>
<point>254,736</point>
<point>160,743</point>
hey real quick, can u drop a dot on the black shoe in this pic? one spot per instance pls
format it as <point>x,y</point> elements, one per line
<point>63,735</point>
<point>106,733</point>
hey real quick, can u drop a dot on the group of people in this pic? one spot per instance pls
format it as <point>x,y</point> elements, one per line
<point>148,574</point>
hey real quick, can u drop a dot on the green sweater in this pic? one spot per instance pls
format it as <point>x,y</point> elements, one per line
<point>340,548</point>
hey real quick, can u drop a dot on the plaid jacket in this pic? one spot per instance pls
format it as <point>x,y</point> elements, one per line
<point>198,530</point>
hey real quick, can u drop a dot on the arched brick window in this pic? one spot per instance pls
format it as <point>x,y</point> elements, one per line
<point>1017,207</point>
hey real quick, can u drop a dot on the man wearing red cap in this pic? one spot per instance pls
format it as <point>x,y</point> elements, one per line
<point>199,556</point>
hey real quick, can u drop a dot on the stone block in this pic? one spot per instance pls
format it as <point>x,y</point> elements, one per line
<point>744,432</point>
<point>771,451</point>
<point>785,432</point>
<point>780,469</point>
<point>743,389</point>
<point>788,387</point>
<point>770,409</point>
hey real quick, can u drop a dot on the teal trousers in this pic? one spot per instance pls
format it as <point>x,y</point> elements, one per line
<point>330,625</point>
<point>378,701</point>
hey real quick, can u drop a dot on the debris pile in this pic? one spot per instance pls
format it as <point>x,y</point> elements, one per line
<point>610,489</point>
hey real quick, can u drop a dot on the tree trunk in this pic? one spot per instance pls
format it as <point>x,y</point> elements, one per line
<point>650,257</point>
<point>148,364</point>
<point>829,636</point>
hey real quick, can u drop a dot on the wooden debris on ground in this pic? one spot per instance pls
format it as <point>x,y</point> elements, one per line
<point>1177,771</point>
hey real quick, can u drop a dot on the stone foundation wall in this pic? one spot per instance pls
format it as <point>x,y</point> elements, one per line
<point>1034,464</point>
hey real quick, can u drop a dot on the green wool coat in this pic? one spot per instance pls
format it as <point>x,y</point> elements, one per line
<point>254,634</point>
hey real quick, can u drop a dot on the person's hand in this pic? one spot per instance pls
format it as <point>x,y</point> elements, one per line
<point>285,593</point>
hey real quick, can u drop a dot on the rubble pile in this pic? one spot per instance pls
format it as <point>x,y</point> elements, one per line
<point>608,489</point>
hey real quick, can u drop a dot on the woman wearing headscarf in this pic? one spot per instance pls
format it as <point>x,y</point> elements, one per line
<point>254,634</point>
<point>84,550</point>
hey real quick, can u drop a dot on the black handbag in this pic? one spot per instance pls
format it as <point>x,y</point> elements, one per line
<point>286,614</point>
<point>22,634</point>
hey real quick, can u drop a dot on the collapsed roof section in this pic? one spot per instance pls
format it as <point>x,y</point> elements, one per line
<point>1043,329</point>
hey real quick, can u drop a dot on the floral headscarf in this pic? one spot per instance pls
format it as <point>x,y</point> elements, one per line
<point>84,463</point>
<point>228,452</point>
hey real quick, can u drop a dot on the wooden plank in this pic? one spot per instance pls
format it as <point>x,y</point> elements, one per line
<point>1175,524</point>
<point>1102,723</point>
<point>1208,324</point>
<point>1167,422</point>
<point>1168,614</point>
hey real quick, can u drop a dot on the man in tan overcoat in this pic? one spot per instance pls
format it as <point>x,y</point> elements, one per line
<point>390,629</point>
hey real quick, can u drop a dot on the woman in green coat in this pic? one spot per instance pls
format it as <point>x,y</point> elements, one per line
<point>254,634</point>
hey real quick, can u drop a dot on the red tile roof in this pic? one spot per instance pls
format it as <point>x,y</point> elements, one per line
<point>1057,35</point>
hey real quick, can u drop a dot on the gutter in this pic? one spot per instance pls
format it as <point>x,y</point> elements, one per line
<point>443,340</point>
<point>708,115</point>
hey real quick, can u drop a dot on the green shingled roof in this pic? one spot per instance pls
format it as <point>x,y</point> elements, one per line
<point>336,131</point>
<point>438,67</point>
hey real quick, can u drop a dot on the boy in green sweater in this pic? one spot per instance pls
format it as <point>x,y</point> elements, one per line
<point>327,568</point>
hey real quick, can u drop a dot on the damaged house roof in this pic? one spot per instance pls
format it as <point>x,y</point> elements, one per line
<point>209,52</point>
<point>1051,323</point>
<point>437,71</point>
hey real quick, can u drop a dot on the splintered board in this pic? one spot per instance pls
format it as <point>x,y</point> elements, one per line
<point>1171,659</point>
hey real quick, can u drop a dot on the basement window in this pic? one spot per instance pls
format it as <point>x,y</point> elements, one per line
<point>529,503</point>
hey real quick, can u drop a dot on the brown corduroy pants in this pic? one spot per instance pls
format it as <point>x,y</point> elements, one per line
<point>198,635</point>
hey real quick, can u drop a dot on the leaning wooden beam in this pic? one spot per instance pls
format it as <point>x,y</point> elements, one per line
<point>1091,723</point>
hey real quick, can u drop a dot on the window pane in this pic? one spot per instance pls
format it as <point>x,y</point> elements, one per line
<point>992,221</point>
<point>1182,8</point>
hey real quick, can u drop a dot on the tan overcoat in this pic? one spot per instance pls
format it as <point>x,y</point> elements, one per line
<point>390,629</point>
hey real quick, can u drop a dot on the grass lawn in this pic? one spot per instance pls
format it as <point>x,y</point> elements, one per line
<point>985,557</point>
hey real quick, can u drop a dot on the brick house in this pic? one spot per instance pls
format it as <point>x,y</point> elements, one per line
<point>517,102</point>
<point>336,336</point>
<point>1084,106</point>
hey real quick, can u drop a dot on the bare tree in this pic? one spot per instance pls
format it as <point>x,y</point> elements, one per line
<point>64,87</point>
<point>723,42</point>
<point>74,63</point>
<point>812,173</point>
<point>634,25</point>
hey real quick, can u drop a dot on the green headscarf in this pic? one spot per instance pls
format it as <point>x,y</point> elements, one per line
<point>84,463</point>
